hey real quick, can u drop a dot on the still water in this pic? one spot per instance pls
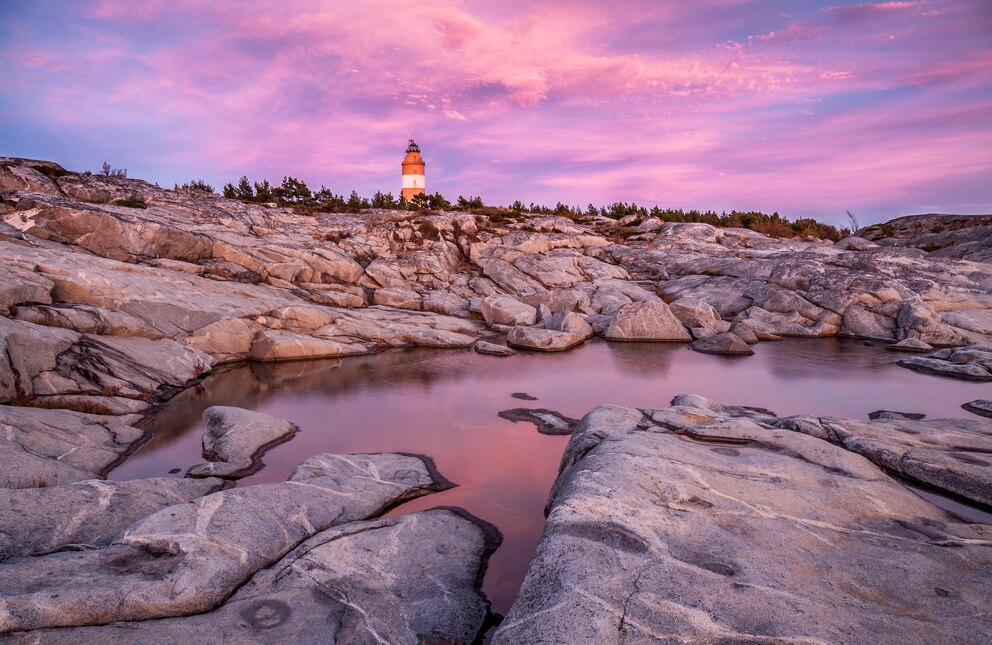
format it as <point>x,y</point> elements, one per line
<point>444,403</point>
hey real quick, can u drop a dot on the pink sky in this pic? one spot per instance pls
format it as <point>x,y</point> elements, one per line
<point>806,108</point>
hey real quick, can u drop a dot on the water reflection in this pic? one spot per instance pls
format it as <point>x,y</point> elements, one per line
<point>445,404</point>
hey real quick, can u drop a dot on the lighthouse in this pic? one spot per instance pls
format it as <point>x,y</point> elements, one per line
<point>413,172</point>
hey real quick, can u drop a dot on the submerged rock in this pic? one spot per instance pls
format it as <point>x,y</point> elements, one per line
<point>546,421</point>
<point>731,530</point>
<point>236,439</point>
<point>189,558</point>
<point>981,407</point>
<point>650,320</point>
<point>409,579</point>
<point>727,344</point>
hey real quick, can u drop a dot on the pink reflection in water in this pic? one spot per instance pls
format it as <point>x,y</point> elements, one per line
<point>445,403</point>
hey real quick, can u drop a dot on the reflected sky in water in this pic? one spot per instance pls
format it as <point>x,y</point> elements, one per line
<point>445,403</point>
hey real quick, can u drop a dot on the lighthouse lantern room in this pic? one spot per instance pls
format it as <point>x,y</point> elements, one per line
<point>413,172</point>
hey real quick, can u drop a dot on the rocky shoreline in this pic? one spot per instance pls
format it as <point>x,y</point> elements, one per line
<point>116,294</point>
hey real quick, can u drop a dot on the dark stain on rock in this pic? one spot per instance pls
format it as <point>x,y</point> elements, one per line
<point>126,559</point>
<point>265,614</point>
<point>729,452</point>
<point>968,459</point>
<point>719,568</point>
<point>608,533</point>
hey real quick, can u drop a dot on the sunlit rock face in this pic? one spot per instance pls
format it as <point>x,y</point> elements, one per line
<point>704,522</point>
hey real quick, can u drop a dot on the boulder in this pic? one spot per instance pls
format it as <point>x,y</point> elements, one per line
<point>570,322</point>
<point>727,344</point>
<point>727,530</point>
<point>504,310</point>
<point>543,340</point>
<point>236,439</point>
<point>650,320</point>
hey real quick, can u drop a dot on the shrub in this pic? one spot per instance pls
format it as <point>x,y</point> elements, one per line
<point>131,203</point>
<point>107,171</point>
<point>196,185</point>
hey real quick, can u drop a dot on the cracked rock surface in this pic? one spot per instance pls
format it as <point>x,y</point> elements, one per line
<point>35,521</point>
<point>359,582</point>
<point>188,558</point>
<point>705,523</point>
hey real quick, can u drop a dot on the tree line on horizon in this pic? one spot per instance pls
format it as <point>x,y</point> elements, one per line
<point>295,193</point>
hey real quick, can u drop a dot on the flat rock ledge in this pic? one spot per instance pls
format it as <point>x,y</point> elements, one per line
<point>690,524</point>
<point>236,439</point>
<point>359,582</point>
<point>972,363</point>
<point>189,558</point>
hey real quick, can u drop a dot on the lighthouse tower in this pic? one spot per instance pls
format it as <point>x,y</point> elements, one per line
<point>413,172</point>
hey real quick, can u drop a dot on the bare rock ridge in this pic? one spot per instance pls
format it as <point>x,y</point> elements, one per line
<point>707,523</point>
<point>694,522</point>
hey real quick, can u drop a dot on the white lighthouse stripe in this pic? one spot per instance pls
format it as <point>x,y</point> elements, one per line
<point>413,181</point>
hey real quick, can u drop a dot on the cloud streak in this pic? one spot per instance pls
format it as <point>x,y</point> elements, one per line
<point>800,107</point>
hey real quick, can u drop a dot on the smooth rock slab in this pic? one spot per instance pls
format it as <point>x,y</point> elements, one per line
<point>726,344</point>
<point>411,579</point>
<point>732,532</point>
<point>952,455</point>
<point>40,447</point>
<point>236,439</point>
<point>189,558</point>
<point>981,407</point>
<point>90,513</point>
<point>650,320</point>
<point>543,340</point>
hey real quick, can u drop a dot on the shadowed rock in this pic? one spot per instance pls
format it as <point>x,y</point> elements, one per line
<point>236,439</point>
<point>729,530</point>
<point>189,558</point>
